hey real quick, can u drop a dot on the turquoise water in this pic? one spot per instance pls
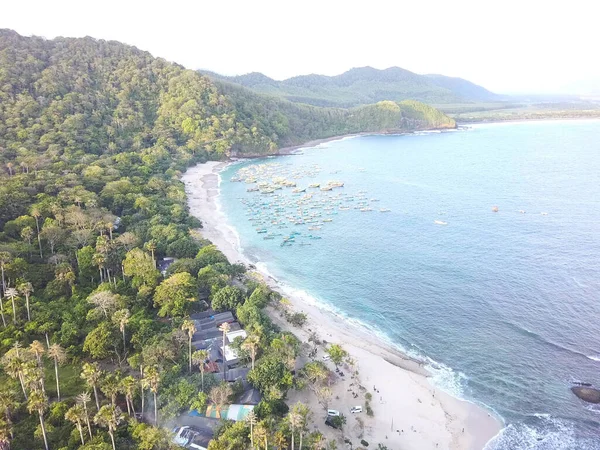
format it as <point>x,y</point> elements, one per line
<point>504,305</point>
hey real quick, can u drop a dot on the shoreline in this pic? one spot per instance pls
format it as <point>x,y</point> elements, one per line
<point>427,416</point>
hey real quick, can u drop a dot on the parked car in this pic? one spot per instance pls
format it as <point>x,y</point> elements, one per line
<point>356,409</point>
<point>333,412</point>
<point>326,357</point>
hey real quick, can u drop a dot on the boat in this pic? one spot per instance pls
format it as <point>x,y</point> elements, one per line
<point>298,190</point>
<point>384,210</point>
<point>314,185</point>
<point>268,237</point>
<point>440,222</point>
<point>335,183</point>
<point>544,214</point>
<point>522,211</point>
<point>253,189</point>
<point>326,188</point>
<point>327,220</point>
<point>494,209</point>
<point>261,231</point>
<point>365,209</point>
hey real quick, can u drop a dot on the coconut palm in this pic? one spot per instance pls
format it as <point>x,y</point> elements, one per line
<point>110,387</point>
<point>261,432</point>
<point>189,327</point>
<point>14,363</point>
<point>151,245</point>
<point>318,441</point>
<point>12,293</point>
<point>128,385</point>
<point>35,212</point>
<point>251,420</point>
<point>26,289</point>
<point>6,433</point>
<point>2,311</point>
<point>38,349</point>
<point>224,328</point>
<point>33,376</point>
<point>8,403</point>
<point>4,259</point>
<point>91,373</point>
<point>151,381</point>
<point>38,402</point>
<point>280,440</point>
<point>121,318</point>
<point>251,345</point>
<point>59,355</point>
<point>199,357</point>
<point>294,419</point>
<point>83,399</point>
<point>77,416</point>
<point>301,413</point>
<point>109,417</point>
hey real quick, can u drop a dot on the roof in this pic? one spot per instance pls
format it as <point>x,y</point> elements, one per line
<point>235,334</point>
<point>249,397</point>
<point>230,353</point>
<point>239,412</point>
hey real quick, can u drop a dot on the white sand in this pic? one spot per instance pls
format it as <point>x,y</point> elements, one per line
<point>426,418</point>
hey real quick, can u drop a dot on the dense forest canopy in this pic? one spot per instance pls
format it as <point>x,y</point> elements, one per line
<point>94,136</point>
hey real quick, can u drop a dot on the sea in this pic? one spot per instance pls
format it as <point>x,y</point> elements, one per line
<point>502,305</point>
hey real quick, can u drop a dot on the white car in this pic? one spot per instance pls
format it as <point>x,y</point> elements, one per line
<point>326,357</point>
<point>333,412</point>
<point>356,409</point>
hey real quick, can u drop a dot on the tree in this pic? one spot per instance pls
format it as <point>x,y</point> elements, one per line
<point>128,386</point>
<point>8,403</point>
<point>294,420</point>
<point>151,380</point>
<point>58,354</point>
<point>38,349</point>
<point>280,440</point>
<point>38,402</point>
<point>110,387</point>
<point>227,298</point>
<point>175,294</point>
<point>26,289</point>
<point>199,357</point>
<point>189,327</point>
<point>251,345</point>
<point>12,293</point>
<point>219,395</point>
<point>5,258</point>
<point>140,266</point>
<point>121,319</point>
<point>104,301</point>
<point>35,212</point>
<point>76,415</point>
<point>100,342</point>
<point>337,353</point>
<point>15,362</point>
<point>82,400</point>
<point>6,433</point>
<point>109,417</point>
<point>92,374</point>
<point>224,328</point>
<point>261,432</point>
<point>251,420</point>
<point>301,414</point>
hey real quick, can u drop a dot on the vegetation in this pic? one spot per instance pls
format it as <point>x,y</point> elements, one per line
<point>364,85</point>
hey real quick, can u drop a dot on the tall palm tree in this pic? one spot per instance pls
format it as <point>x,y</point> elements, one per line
<point>14,363</point>
<point>280,440</point>
<point>33,376</point>
<point>38,402</point>
<point>151,381</point>
<point>251,420</point>
<point>294,419</point>
<point>111,385</point>
<point>35,212</point>
<point>109,417</point>
<point>6,433</point>
<point>303,413</point>
<point>12,293</point>
<point>189,327</point>
<point>26,289</point>
<point>224,328</point>
<point>251,345</point>
<point>261,432</point>
<point>77,416</point>
<point>318,441</point>
<point>128,385</point>
<point>59,355</point>
<point>4,260</point>
<point>199,357</point>
<point>83,399</point>
<point>8,403</point>
<point>91,373</point>
<point>38,349</point>
<point>121,318</point>
<point>151,245</point>
<point>2,311</point>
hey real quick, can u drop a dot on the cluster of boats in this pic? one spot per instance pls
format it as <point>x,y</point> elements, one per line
<point>292,213</point>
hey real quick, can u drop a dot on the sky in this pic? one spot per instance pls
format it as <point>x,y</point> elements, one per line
<point>508,46</point>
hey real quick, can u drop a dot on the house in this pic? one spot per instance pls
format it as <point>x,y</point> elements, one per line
<point>164,264</point>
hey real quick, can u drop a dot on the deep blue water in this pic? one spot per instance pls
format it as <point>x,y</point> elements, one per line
<point>507,303</point>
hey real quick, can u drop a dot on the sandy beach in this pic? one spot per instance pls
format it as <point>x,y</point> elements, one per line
<point>409,412</point>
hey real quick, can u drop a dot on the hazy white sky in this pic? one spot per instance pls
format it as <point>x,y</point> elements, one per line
<point>504,45</point>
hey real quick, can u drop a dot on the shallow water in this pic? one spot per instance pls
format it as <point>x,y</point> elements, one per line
<point>508,300</point>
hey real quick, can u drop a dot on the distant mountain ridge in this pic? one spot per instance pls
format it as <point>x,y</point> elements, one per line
<point>365,85</point>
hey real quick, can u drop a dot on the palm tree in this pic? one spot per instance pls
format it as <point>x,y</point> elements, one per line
<point>151,381</point>
<point>219,395</point>
<point>4,259</point>
<point>38,402</point>
<point>151,245</point>
<point>26,289</point>
<point>121,318</point>
<point>2,311</point>
<point>58,354</point>
<point>303,413</point>
<point>128,385</point>
<point>280,440</point>
<point>111,385</point>
<point>35,212</point>
<point>91,373</point>
<point>198,358</point>
<point>251,419</point>
<point>318,441</point>
<point>294,419</point>
<point>224,328</point>
<point>251,345</point>
<point>262,433</point>
<point>33,376</point>
<point>12,293</point>
<point>8,403</point>
<point>38,350</point>
<point>109,417</point>
<point>77,415</point>
<point>6,433</point>
<point>83,399</point>
<point>14,362</point>
<point>189,327</point>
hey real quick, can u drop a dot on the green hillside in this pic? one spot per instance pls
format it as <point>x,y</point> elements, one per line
<point>365,85</point>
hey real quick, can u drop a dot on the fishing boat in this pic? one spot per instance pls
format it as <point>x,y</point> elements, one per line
<point>440,222</point>
<point>261,231</point>
<point>314,185</point>
<point>327,188</point>
<point>384,210</point>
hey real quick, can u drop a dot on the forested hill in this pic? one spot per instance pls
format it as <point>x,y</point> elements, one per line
<point>365,85</point>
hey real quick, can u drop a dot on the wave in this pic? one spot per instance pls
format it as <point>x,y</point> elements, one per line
<point>593,357</point>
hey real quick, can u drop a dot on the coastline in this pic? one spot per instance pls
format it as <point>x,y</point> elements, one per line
<point>410,412</point>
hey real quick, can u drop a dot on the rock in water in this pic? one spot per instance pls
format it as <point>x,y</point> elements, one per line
<point>587,394</point>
